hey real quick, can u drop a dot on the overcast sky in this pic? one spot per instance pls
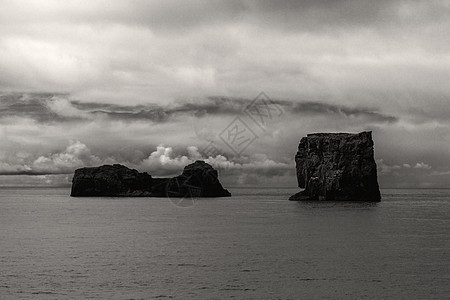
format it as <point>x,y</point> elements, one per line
<point>152,84</point>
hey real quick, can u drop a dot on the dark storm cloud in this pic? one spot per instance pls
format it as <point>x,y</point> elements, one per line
<point>335,14</point>
<point>285,14</point>
<point>337,65</point>
<point>369,114</point>
<point>225,106</point>
<point>35,173</point>
<point>160,113</point>
<point>42,108</point>
<point>164,50</point>
<point>22,105</point>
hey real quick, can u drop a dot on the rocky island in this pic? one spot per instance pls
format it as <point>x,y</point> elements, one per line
<point>337,167</point>
<point>198,179</point>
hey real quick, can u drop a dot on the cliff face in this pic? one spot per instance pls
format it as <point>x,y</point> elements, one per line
<point>337,166</point>
<point>107,180</point>
<point>198,179</point>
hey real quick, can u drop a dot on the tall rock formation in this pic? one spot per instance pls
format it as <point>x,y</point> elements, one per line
<point>198,179</point>
<point>337,166</point>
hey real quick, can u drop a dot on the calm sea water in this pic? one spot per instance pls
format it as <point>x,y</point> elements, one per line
<point>255,245</point>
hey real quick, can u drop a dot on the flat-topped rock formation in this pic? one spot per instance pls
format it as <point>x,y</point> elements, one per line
<point>198,179</point>
<point>337,167</point>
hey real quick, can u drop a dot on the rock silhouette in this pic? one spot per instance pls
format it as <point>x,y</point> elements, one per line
<point>198,179</point>
<point>337,167</point>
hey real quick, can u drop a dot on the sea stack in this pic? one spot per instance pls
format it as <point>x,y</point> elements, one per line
<point>337,167</point>
<point>198,179</point>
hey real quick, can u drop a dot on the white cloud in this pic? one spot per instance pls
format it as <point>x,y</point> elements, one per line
<point>422,165</point>
<point>440,173</point>
<point>384,168</point>
<point>64,108</point>
<point>76,155</point>
<point>8,168</point>
<point>165,157</point>
<point>163,161</point>
<point>391,55</point>
<point>138,51</point>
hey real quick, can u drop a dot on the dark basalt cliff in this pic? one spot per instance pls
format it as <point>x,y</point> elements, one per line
<point>337,166</point>
<point>198,179</point>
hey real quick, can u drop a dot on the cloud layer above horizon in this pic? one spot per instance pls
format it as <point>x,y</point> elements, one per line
<point>151,83</point>
<point>51,135</point>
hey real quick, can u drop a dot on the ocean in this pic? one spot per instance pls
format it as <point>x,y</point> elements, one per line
<point>254,245</point>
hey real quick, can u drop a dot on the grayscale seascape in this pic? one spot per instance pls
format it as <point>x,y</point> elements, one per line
<point>245,149</point>
<point>254,245</point>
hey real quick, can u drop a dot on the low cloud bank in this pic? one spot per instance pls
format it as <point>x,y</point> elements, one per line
<point>44,134</point>
<point>163,161</point>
